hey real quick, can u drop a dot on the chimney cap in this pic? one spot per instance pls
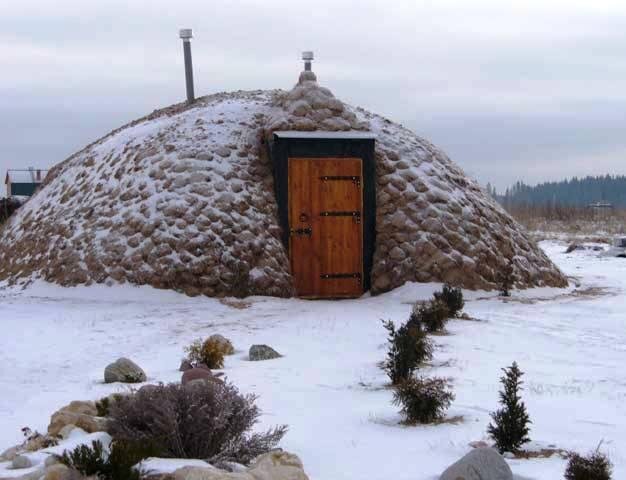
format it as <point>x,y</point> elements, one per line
<point>185,33</point>
<point>307,56</point>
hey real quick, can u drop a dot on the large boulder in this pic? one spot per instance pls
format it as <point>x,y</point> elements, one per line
<point>125,371</point>
<point>479,464</point>
<point>21,461</point>
<point>184,199</point>
<point>262,352</point>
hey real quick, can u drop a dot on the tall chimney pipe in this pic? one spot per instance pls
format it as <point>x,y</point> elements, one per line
<point>308,58</point>
<point>186,35</point>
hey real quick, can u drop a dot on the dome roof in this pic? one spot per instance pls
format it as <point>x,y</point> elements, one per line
<point>184,199</point>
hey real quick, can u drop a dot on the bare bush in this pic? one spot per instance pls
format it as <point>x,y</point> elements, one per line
<point>595,466</point>
<point>210,352</point>
<point>208,420</point>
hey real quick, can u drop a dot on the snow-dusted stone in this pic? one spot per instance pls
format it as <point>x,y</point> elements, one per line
<point>36,474</point>
<point>262,352</point>
<point>198,374</point>
<point>233,467</point>
<point>276,465</point>
<point>21,461</point>
<point>51,460</point>
<point>79,414</point>
<point>10,453</point>
<point>184,199</point>
<point>67,430</point>
<point>223,342</point>
<point>58,471</point>
<point>125,371</point>
<point>185,365</point>
<point>479,464</point>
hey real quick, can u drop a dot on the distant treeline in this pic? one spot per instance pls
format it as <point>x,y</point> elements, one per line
<point>577,192</point>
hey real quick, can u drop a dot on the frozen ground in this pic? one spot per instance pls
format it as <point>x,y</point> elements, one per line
<point>571,343</point>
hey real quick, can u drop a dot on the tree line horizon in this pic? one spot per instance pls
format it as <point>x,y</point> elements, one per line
<point>575,192</point>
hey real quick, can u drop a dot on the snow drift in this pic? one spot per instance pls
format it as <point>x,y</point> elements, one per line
<point>184,199</point>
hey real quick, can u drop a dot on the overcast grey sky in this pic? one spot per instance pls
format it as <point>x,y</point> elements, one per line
<point>531,90</point>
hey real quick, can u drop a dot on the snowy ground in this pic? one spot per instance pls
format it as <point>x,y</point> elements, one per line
<point>571,343</point>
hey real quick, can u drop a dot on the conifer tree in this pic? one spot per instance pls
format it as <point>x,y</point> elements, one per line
<point>510,424</point>
<point>505,279</point>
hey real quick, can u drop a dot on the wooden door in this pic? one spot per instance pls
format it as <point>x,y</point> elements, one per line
<point>326,226</point>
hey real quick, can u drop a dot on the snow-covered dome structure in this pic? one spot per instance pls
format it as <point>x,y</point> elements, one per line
<point>184,198</point>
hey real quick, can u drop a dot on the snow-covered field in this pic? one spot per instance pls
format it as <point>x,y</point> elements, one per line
<point>571,343</point>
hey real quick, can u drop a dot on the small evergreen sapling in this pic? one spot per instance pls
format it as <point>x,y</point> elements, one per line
<point>505,279</point>
<point>408,347</point>
<point>510,424</point>
<point>433,314</point>
<point>423,400</point>
<point>452,297</point>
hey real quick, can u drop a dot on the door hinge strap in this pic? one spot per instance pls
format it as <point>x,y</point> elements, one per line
<point>301,231</point>
<point>340,214</point>
<point>329,276</point>
<point>351,178</point>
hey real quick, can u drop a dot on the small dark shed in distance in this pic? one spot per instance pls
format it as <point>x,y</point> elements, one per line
<point>325,188</point>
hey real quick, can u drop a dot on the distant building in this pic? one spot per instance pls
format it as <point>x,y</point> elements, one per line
<point>23,183</point>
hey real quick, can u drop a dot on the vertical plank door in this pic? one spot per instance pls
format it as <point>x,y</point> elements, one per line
<point>326,226</point>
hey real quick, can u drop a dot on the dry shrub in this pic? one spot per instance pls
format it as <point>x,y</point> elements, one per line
<point>595,466</point>
<point>211,352</point>
<point>423,400</point>
<point>207,420</point>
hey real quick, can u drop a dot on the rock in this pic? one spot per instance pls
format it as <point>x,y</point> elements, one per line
<point>262,352</point>
<point>206,473</point>
<point>198,374</point>
<point>125,371</point>
<point>51,460</point>
<point>79,414</point>
<point>10,453</point>
<point>185,365</point>
<point>82,406</point>
<point>34,475</point>
<point>38,441</point>
<point>233,467</point>
<point>275,465</point>
<point>57,471</point>
<point>478,444</point>
<point>278,465</point>
<point>479,464</point>
<point>66,430</point>
<point>573,246</point>
<point>223,342</point>
<point>21,461</point>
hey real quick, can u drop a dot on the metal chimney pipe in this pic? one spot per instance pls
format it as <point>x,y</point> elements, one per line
<point>186,35</point>
<point>308,58</point>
